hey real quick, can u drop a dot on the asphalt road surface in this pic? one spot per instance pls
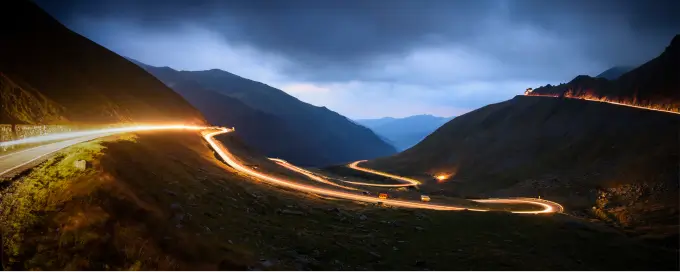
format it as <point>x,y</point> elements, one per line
<point>16,162</point>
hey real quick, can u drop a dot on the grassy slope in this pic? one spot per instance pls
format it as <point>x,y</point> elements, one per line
<point>162,201</point>
<point>565,150</point>
<point>24,105</point>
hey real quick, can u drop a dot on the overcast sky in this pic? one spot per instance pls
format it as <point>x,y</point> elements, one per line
<point>376,58</point>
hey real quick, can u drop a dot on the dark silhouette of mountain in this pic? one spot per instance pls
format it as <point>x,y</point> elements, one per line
<point>614,72</point>
<point>654,83</point>
<point>50,74</point>
<point>405,132</point>
<point>273,122</point>
<point>582,154</point>
<point>615,163</point>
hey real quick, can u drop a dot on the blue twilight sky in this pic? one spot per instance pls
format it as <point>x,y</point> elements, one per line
<point>376,58</point>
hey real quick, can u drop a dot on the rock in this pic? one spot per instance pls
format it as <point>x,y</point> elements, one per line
<point>175,206</point>
<point>170,192</point>
<point>179,217</point>
<point>375,254</point>
<point>419,228</point>
<point>266,263</point>
<point>362,217</point>
<point>80,164</point>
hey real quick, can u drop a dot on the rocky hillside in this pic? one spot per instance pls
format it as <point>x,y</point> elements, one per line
<point>50,74</point>
<point>567,150</point>
<point>654,83</point>
<point>272,121</point>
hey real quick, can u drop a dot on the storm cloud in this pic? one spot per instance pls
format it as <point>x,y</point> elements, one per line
<point>439,57</point>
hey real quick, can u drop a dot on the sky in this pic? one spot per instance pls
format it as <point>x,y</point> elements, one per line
<point>377,58</point>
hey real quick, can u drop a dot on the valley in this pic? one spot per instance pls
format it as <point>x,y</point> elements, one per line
<point>243,135</point>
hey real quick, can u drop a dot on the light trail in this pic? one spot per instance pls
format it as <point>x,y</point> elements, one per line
<point>604,100</point>
<point>308,174</point>
<point>409,181</point>
<point>78,137</point>
<point>13,161</point>
<point>322,180</point>
<point>233,162</point>
<point>69,135</point>
<point>548,206</point>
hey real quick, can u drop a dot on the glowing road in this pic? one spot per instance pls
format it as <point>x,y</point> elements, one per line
<point>14,161</point>
<point>407,181</point>
<point>230,159</point>
<point>603,100</point>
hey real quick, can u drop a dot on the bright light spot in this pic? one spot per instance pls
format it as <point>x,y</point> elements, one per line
<point>441,177</point>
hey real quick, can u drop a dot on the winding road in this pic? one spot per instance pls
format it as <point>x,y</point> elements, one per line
<point>26,158</point>
<point>230,159</point>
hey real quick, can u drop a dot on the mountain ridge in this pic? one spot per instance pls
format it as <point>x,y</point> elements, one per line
<point>304,134</point>
<point>654,83</point>
<point>87,82</point>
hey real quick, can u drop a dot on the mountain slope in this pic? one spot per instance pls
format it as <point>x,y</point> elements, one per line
<point>73,78</point>
<point>567,150</point>
<point>255,127</point>
<point>163,201</point>
<point>405,132</point>
<point>614,72</point>
<point>290,129</point>
<point>654,83</point>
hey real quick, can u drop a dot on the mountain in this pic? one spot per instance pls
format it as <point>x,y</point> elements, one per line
<point>405,132</point>
<point>585,155</point>
<point>655,83</point>
<point>614,72</point>
<point>50,74</point>
<point>616,163</point>
<point>273,122</point>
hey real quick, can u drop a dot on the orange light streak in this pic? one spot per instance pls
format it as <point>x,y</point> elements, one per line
<point>231,161</point>
<point>590,97</point>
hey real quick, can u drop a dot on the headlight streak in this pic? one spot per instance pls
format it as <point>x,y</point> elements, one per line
<point>231,161</point>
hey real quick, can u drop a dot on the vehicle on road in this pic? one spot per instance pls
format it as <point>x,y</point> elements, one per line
<point>425,198</point>
<point>382,196</point>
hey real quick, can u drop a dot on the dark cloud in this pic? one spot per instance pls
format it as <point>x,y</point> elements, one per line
<point>344,34</point>
<point>446,45</point>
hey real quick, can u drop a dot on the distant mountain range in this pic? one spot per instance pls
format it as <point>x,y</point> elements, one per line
<point>50,74</point>
<point>404,133</point>
<point>615,163</point>
<point>273,122</point>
